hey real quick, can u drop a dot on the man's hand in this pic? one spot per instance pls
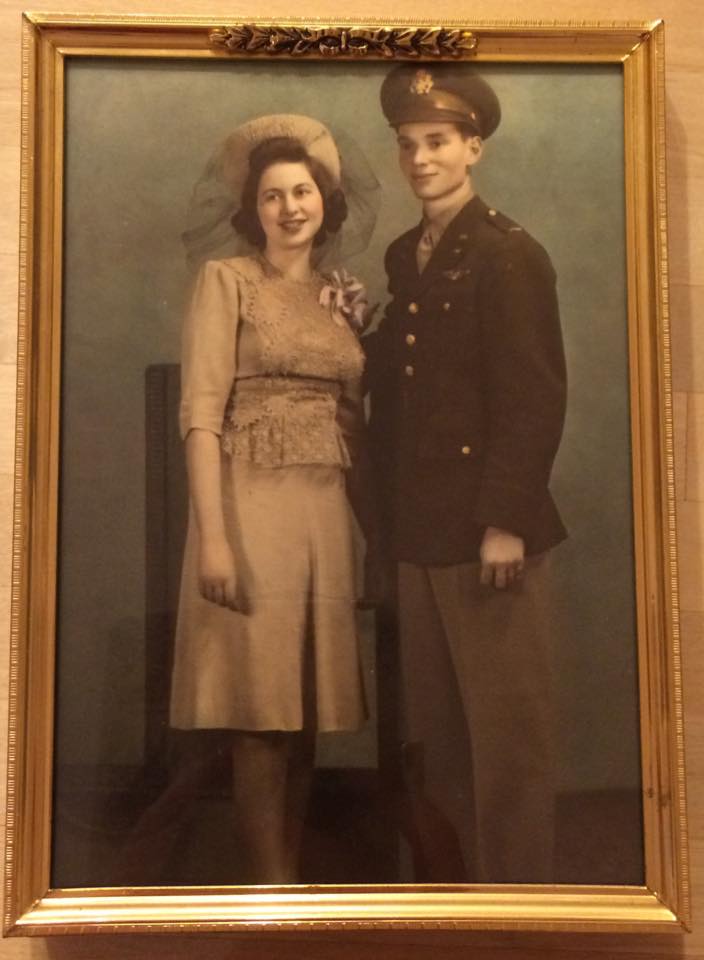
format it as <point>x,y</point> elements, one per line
<point>502,556</point>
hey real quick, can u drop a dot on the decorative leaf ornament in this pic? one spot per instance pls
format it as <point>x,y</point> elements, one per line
<point>345,41</point>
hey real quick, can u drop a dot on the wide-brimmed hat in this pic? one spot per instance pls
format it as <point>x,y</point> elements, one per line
<point>313,136</point>
<point>217,194</point>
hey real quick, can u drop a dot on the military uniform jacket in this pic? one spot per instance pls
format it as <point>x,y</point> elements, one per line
<point>467,380</point>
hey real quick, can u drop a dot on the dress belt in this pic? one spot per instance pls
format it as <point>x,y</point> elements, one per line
<point>267,383</point>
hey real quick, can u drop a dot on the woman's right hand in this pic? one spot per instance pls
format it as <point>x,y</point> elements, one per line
<point>217,578</point>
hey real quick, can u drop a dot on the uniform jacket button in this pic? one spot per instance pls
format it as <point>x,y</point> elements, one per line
<point>413,307</point>
<point>410,339</point>
<point>466,450</point>
<point>409,371</point>
<point>446,305</point>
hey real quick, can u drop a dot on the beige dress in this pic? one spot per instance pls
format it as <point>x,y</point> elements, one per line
<point>267,368</point>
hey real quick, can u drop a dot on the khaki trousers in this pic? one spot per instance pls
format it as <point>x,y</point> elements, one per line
<point>477,722</point>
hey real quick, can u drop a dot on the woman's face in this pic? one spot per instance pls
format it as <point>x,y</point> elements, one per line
<point>290,206</point>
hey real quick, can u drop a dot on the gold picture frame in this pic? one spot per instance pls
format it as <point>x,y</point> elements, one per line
<point>33,906</point>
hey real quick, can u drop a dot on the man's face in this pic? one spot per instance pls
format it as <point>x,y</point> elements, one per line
<point>435,157</point>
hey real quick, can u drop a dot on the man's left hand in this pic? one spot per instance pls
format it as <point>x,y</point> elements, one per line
<point>502,556</point>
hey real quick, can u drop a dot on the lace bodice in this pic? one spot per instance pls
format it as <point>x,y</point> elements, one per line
<point>265,365</point>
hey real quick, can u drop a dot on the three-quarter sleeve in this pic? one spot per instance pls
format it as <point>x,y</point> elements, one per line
<point>209,348</point>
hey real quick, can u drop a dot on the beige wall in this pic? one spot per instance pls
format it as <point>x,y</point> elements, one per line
<point>685,76</point>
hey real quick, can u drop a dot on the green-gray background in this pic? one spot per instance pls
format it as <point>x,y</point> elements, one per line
<point>138,137</point>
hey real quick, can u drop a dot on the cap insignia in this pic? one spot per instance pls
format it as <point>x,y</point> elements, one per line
<point>422,82</point>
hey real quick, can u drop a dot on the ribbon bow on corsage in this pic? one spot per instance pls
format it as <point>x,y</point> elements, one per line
<point>346,299</point>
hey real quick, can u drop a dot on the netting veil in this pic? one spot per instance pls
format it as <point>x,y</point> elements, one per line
<point>216,197</point>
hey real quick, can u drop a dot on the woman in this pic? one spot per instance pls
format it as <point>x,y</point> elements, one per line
<point>265,640</point>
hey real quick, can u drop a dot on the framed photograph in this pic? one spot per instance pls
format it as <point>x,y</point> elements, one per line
<point>344,585</point>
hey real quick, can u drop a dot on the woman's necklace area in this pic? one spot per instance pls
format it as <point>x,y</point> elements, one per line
<point>272,270</point>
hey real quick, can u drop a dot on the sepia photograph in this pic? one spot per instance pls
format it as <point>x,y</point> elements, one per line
<point>350,548</point>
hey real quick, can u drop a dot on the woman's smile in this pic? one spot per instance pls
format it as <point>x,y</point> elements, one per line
<point>290,206</point>
<point>293,224</point>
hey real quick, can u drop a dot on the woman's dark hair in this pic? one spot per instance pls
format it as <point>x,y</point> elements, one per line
<point>286,150</point>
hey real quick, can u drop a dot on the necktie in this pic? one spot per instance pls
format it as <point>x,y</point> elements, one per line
<point>426,245</point>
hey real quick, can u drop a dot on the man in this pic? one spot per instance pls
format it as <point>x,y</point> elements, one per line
<point>467,381</point>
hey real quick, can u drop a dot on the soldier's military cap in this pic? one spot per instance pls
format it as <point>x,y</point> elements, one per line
<point>440,93</point>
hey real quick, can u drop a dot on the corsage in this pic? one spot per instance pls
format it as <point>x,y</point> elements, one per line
<point>346,298</point>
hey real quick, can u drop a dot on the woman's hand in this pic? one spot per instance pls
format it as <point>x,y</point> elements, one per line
<point>502,556</point>
<point>217,574</point>
<point>217,577</point>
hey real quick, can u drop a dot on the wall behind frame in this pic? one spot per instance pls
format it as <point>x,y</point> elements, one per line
<point>685,72</point>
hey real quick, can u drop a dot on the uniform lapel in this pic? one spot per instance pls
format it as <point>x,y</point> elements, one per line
<point>446,258</point>
<point>407,263</point>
